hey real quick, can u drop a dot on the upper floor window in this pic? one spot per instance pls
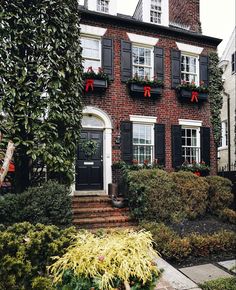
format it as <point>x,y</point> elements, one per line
<point>233,61</point>
<point>91,53</point>
<point>142,62</point>
<point>189,69</point>
<point>103,6</point>
<point>143,143</point>
<point>191,144</point>
<point>155,11</point>
<point>224,134</point>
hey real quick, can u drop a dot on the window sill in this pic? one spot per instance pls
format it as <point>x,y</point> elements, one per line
<point>222,148</point>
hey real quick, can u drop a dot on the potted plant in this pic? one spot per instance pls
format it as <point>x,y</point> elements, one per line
<point>192,92</point>
<point>199,169</point>
<point>95,81</point>
<point>145,87</point>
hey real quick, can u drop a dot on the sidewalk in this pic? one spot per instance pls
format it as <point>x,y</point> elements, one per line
<point>188,278</point>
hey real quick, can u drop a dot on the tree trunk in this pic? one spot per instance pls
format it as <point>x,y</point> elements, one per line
<point>22,173</point>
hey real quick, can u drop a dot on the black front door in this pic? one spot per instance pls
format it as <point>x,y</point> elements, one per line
<point>89,164</point>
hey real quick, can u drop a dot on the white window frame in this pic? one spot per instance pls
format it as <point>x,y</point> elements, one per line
<point>145,120</point>
<point>197,147</point>
<point>102,5</point>
<point>156,11</point>
<point>99,60</point>
<point>197,74</point>
<point>193,124</point>
<point>233,62</point>
<point>138,45</point>
<point>224,135</point>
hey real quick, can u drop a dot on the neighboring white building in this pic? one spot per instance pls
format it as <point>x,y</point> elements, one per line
<point>227,150</point>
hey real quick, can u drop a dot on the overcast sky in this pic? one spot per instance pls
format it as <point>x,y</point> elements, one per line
<point>217,17</point>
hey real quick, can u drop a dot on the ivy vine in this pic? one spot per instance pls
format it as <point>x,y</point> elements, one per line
<point>215,94</point>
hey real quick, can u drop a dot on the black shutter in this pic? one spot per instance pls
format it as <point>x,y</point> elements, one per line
<point>159,63</point>
<point>176,136</point>
<point>127,141</point>
<point>160,143</point>
<point>204,69</point>
<point>175,68</point>
<point>126,60</point>
<point>205,144</point>
<point>107,57</point>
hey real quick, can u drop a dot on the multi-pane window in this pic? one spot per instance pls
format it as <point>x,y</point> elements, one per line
<point>233,61</point>
<point>155,11</point>
<point>91,53</point>
<point>189,69</point>
<point>224,134</point>
<point>190,145</point>
<point>143,143</point>
<point>103,6</point>
<point>142,62</point>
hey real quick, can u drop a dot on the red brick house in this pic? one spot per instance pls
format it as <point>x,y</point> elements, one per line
<point>132,121</point>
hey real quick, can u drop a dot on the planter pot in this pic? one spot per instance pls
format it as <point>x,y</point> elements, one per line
<point>186,95</point>
<point>98,85</point>
<point>138,90</point>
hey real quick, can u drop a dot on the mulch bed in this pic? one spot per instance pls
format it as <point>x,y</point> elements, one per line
<point>206,225</point>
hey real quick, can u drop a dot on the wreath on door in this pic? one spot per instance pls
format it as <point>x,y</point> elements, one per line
<point>89,147</point>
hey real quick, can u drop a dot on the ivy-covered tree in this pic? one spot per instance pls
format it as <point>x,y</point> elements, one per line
<point>40,86</point>
<point>215,94</point>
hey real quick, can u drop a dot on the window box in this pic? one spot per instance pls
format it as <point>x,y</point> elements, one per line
<point>138,89</point>
<point>187,95</point>
<point>94,82</point>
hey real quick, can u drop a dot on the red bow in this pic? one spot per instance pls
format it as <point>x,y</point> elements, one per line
<point>194,97</point>
<point>147,91</point>
<point>89,84</point>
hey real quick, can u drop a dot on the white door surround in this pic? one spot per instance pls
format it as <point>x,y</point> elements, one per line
<point>106,125</point>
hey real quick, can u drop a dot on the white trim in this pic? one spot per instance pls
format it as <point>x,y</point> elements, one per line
<point>189,48</point>
<point>92,30</point>
<point>191,123</point>
<point>141,39</point>
<point>107,144</point>
<point>143,119</point>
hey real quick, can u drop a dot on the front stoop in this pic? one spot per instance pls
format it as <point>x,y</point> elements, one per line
<point>94,212</point>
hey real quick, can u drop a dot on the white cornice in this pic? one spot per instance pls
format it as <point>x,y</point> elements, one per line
<point>191,123</point>
<point>189,48</point>
<point>143,119</point>
<point>141,39</point>
<point>92,30</point>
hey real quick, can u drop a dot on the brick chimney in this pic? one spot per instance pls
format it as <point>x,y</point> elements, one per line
<point>185,14</point>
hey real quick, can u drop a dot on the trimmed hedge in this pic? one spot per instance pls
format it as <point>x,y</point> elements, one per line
<point>152,195</point>
<point>26,251</point>
<point>193,192</point>
<point>47,204</point>
<point>174,247</point>
<point>157,195</point>
<point>220,195</point>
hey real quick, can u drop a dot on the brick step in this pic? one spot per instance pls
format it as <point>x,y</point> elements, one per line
<point>98,220</point>
<point>92,199</point>
<point>91,205</point>
<point>99,212</point>
<point>104,225</point>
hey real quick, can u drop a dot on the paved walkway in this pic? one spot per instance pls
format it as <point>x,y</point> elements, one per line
<point>188,278</point>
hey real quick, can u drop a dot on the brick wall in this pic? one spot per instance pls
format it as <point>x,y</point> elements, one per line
<point>119,105</point>
<point>185,12</point>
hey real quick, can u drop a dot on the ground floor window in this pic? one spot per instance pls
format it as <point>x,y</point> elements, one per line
<point>143,143</point>
<point>191,145</point>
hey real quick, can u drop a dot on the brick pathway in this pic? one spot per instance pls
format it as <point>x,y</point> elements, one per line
<point>163,285</point>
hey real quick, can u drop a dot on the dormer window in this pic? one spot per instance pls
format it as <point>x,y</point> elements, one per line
<point>103,6</point>
<point>155,11</point>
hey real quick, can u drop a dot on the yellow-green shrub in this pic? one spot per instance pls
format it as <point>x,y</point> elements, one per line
<point>125,256</point>
<point>220,195</point>
<point>192,191</point>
